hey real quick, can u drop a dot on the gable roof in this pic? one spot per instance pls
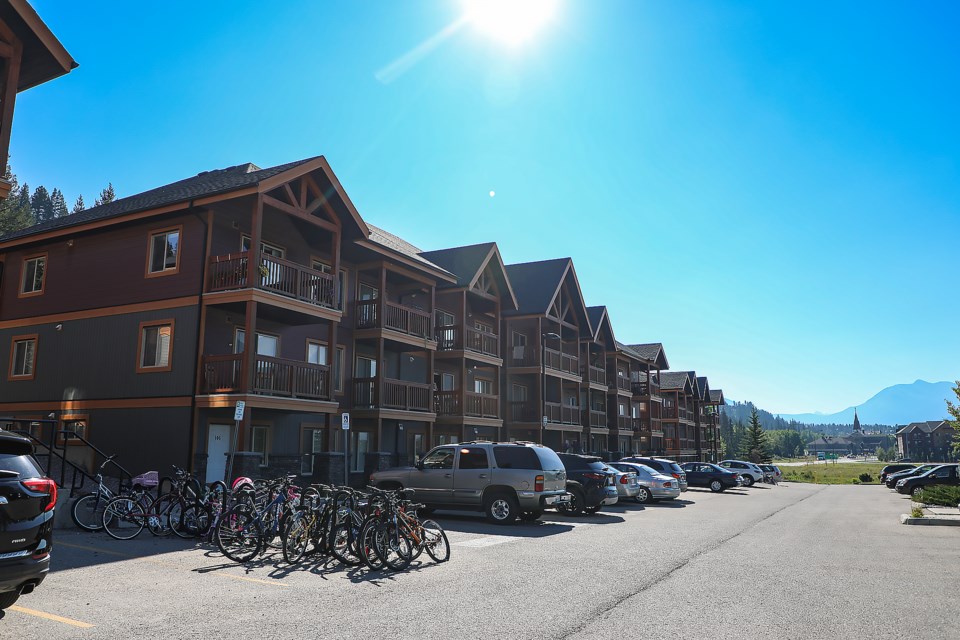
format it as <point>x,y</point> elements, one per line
<point>205,183</point>
<point>387,240</point>
<point>675,381</point>
<point>44,57</point>
<point>536,285</point>
<point>467,263</point>
<point>928,426</point>
<point>652,352</point>
<point>599,318</point>
<point>704,388</point>
<point>716,395</point>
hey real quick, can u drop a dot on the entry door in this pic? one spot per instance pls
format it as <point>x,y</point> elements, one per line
<point>218,445</point>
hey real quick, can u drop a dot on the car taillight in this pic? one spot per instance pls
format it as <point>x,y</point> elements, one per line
<point>667,484</point>
<point>538,483</point>
<point>43,485</point>
<point>623,480</point>
<point>676,475</point>
<point>594,476</point>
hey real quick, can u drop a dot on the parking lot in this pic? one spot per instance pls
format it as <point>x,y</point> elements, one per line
<point>787,561</point>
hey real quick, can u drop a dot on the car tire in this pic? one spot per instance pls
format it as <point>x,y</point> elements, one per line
<point>501,508</point>
<point>748,481</point>
<point>716,486</point>
<point>916,491</point>
<point>644,496</point>
<point>531,516</point>
<point>7,599</point>
<point>592,510</point>
<point>575,506</point>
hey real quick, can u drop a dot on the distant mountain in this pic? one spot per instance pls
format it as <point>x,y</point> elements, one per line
<point>899,404</point>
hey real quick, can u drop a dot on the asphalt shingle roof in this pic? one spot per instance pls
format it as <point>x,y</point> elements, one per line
<point>534,283</point>
<point>463,262</point>
<point>716,395</point>
<point>204,184</point>
<point>398,244</point>
<point>674,380</point>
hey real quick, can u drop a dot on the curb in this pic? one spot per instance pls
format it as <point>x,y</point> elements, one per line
<point>930,520</point>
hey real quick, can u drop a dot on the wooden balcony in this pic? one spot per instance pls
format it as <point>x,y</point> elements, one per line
<point>275,275</point>
<point>475,405</point>
<point>458,338</point>
<point>560,361</point>
<point>386,393</point>
<point>561,413</point>
<point>396,317</point>
<point>523,411</point>
<point>624,423</point>
<point>646,388</point>
<point>596,375</point>
<point>598,419</point>
<point>623,383</point>
<point>273,377</point>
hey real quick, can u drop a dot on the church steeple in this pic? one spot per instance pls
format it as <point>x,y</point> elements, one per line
<point>856,421</point>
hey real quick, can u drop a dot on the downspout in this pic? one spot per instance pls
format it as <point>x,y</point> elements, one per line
<point>196,348</point>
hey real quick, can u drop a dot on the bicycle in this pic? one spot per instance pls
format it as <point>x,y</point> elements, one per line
<point>87,509</point>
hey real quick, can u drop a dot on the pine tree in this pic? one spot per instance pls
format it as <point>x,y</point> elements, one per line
<point>78,206</point>
<point>15,210</point>
<point>755,447</point>
<point>58,204</point>
<point>954,411</point>
<point>41,205</point>
<point>107,195</point>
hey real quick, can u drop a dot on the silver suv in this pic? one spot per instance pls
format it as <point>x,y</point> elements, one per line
<point>505,480</point>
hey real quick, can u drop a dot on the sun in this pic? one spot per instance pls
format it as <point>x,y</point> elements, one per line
<point>512,22</point>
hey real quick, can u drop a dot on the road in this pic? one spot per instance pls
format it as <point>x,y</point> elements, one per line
<point>792,561</point>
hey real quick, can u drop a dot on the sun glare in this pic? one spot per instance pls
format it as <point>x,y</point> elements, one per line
<point>513,22</point>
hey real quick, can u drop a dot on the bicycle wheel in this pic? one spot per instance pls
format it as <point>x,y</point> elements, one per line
<point>238,535</point>
<point>194,521</point>
<point>394,547</point>
<point>296,535</point>
<point>342,545</point>
<point>368,544</point>
<point>158,515</point>
<point>435,541</point>
<point>123,518</point>
<point>87,511</point>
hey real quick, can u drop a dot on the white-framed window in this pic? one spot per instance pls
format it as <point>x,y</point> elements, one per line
<point>365,367</point>
<point>483,326</point>
<point>32,275</point>
<point>447,382</point>
<point>484,386</point>
<point>316,352</point>
<point>266,248</point>
<point>164,251</point>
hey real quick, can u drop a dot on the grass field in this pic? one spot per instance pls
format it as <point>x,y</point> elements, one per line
<point>834,473</point>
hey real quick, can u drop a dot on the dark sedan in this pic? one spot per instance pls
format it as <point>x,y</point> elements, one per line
<point>943,474</point>
<point>711,476</point>
<point>894,468</point>
<point>893,478</point>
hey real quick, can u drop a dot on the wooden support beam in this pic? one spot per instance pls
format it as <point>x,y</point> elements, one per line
<point>11,77</point>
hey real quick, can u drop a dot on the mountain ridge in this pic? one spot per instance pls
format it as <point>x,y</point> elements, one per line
<point>896,404</point>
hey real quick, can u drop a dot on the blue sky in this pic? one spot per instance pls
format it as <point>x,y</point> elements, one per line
<point>770,189</point>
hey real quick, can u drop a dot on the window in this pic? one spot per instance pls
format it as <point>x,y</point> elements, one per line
<point>23,357</point>
<point>338,357</point>
<point>156,346</point>
<point>621,409</point>
<point>483,326</point>
<point>439,459</point>
<point>442,439</point>
<point>473,458</point>
<point>484,386</point>
<point>32,275</point>
<point>365,368</point>
<point>316,352</point>
<point>313,441</point>
<point>447,382</point>
<point>367,292</point>
<point>519,393</point>
<point>163,252</point>
<point>267,344</point>
<point>72,425</point>
<point>359,446</point>
<point>259,441</point>
<point>516,458</point>
<point>266,248</point>
<point>519,339</point>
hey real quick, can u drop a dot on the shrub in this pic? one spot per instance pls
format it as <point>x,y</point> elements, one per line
<point>939,495</point>
<point>866,477</point>
<point>916,512</point>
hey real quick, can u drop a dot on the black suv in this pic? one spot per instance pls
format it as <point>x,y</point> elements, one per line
<point>894,478</point>
<point>894,468</point>
<point>704,474</point>
<point>589,483</point>
<point>944,474</point>
<point>27,500</point>
<point>664,466</point>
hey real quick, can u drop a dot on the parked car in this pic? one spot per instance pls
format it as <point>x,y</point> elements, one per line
<point>27,500</point>
<point>771,473</point>
<point>653,484</point>
<point>893,478</point>
<point>506,480</point>
<point>942,474</point>
<point>664,466</point>
<point>627,483</point>
<point>714,477</point>
<point>748,471</point>
<point>589,482</point>
<point>894,468</point>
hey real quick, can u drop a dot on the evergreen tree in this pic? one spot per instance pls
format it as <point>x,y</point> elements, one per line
<point>755,447</point>
<point>954,411</point>
<point>58,204</point>
<point>15,210</point>
<point>107,195</point>
<point>78,206</point>
<point>41,204</point>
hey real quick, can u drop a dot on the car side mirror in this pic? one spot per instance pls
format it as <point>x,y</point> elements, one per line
<point>419,465</point>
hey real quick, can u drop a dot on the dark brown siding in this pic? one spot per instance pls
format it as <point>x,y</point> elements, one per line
<point>96,358</point>
<point>103,269</point>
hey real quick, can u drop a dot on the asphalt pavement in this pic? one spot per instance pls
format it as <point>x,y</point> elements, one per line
<point>790,561</point>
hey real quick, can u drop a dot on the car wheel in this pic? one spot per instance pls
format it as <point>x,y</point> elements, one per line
<point>574,507</point>
<point>531,516</point>
<point>502,508</point>
<point>592,510</point>
<point>716,486</point>
<point>644,496</point>
<point>7,599</point>
<point>748,481</point>
<point>916,491</point>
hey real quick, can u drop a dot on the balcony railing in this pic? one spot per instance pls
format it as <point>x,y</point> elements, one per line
<point>478,405</point>
<point>560,361</point>
<point>276,275</point>
<point>450,338</point>
<point>397,317</point>
<point>598,419</point>
<point>623,383</point>
<point>387,393</point>
<point>624,423</point>
<point>596,375</point>
<point>523,411</point>
<point>272,377</point>
<point>561,413</point>
<point>646,388</point>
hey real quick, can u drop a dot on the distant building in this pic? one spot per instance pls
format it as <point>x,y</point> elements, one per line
<point>925,441</point>
<point>856,442</point>
<point>829,444</point>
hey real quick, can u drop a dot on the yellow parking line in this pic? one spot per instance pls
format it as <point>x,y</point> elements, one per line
<point>120,554</point>
<point>50,616</point>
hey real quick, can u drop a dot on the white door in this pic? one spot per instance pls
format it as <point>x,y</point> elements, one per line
<point>218,445</point>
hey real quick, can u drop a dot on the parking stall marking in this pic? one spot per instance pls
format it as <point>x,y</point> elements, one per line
<point>50,616</point>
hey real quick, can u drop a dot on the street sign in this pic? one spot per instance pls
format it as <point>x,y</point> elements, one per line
<point>238,411</point>
<point>345,422</point>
